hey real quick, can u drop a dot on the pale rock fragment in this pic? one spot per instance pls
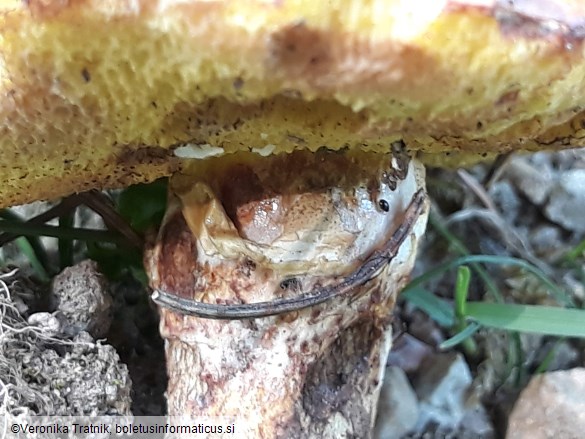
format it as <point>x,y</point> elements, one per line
<point>442,390</point>
<point>535,184</point>
<point>47,322</point>
<point>551,406</point>
<point>398,408</point>
<point>566,204</point>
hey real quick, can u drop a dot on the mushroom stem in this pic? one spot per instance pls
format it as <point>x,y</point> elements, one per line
<point>296,261</point>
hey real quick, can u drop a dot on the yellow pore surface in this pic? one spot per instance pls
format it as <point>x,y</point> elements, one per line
<point>100,93</point>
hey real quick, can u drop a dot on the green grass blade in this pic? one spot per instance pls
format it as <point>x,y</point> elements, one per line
<point>529,318</point>
<point>575,253</point>
<point>28,251</point>
<point>438,309</point>
<point>549,357</point>
<point>462,290</point>
<point>460,248</point>
<point>517,360</point>
<point>461,326</point>
<point>460,337</point>
<point>560,295</point>
<point>144,205</point>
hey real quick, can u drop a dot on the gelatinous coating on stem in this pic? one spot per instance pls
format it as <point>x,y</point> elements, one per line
<point>367,271</point>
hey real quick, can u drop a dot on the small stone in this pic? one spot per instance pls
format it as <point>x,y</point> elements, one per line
<point>534,183</point>
<point>566,204</point>
<point>546,239</point>
<point>408,353</point>
<point>565,356</point>
<point>544,160</point>
<point>425,329</point>
<point>50,324</point>
<point>575,285</point>
<point>442,388</point>
<point>398,408</point>
<point>80,294</point>
<point>507,200</point>
<point>476,424</point>
<point>551,406</point>
<point>83,338</point>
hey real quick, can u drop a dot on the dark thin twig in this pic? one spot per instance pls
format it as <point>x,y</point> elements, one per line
<point>31,246</point>
<point>63,208</point>
<point>496,170</point>
<point>103,206</point>
<point>66,245</point>
<point>369,270</point>
<point>90,235</point>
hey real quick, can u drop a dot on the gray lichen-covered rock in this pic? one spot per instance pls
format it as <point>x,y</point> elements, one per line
<point>81,377</point>
<point>47,372</point>
<point>80,294</point>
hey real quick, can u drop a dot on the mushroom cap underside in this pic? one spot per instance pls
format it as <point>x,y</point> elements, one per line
<point>101,94</point>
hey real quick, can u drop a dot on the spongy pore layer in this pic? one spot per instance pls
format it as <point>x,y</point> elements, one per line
<point>99,94</point>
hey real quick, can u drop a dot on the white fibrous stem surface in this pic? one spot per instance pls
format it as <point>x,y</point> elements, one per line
<point>261,229</point>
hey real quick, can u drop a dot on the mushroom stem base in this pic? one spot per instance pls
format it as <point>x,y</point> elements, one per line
<point>310,373</point>
<point>330,395</point>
